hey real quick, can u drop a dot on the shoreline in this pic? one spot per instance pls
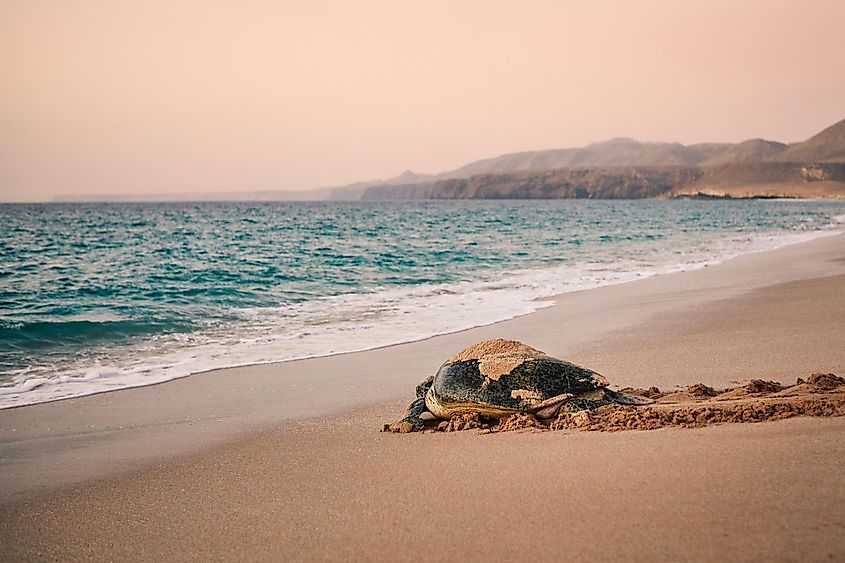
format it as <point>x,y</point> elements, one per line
<point>107,434</point>
<point>287,462</point>
<point>770,242</point>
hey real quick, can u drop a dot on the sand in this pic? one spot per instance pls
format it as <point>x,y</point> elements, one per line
<point>497,356</point>
<point>287,461</point>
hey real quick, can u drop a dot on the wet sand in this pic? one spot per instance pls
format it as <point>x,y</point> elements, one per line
<point>286,461</point>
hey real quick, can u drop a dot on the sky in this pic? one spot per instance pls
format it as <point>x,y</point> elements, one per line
<point>203,96</point>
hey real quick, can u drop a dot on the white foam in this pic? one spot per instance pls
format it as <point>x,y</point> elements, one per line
<point>362,321</point>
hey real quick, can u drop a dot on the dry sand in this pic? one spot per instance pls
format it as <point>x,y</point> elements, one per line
<point>229,465</point>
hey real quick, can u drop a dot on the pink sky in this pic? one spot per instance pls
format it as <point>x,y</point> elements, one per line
<point>182,96</point>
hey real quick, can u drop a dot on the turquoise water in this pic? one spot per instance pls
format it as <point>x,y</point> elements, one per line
<point>102,296</point>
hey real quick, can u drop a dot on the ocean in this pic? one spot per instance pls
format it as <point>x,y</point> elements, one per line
<point>96,297</point>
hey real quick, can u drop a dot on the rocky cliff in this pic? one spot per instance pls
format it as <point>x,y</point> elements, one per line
<point>618,183</point>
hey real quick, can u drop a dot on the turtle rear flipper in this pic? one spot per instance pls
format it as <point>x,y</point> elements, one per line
<point>550,407</point>
<point>626,398</point>
<point>602,397</point>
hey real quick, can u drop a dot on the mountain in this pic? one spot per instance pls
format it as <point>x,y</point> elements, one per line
<point>626,168</point>
<point>615,152</point>
<point>826,146</point>
<point>753,150</point>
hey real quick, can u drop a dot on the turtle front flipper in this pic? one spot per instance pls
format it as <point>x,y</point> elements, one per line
<point>413,421</point>
<point>414,416</point>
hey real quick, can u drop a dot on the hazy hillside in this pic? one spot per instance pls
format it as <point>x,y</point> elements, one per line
<point>615,152</point>
<point>827,146</point>
<point>625,168</point>
<point>753,150</point>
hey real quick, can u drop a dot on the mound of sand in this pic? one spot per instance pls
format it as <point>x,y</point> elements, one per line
<point>612,418</point>
<point>697,406</point>
<point>495,347</point>
<point>692,393</point>
<point>462,422</point>
<point>650,393</point>
<point>755,387</point>
<point>699,390</point>
<point>497,357</point>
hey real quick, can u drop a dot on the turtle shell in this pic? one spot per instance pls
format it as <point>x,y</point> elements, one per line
<point>500,377</point>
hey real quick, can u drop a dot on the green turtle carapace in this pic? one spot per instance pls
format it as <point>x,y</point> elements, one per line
<point>498,378</point>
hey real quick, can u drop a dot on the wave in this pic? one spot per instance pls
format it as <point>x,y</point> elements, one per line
<point>42,334</point>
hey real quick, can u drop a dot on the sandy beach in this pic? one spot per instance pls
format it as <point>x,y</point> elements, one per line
<point>286,461</point>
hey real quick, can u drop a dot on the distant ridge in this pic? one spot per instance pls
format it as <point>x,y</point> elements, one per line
<point>615,152</point>
<point>752,150</point>
<point>626,168</point>
<point>826,146</point>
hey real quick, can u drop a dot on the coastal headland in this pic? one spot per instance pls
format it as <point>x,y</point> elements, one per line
<point>286,461</point>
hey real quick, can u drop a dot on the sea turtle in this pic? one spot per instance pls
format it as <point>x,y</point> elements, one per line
<point>497,378</point>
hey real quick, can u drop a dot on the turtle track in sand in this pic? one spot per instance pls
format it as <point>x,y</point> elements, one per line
<point>694,407</point>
